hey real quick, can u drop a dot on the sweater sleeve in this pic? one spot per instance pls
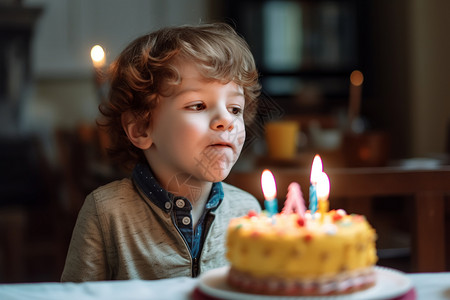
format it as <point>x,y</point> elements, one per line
<point>86,258</point>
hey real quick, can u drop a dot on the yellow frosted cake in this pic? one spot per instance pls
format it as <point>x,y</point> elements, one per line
<point>290,254</point>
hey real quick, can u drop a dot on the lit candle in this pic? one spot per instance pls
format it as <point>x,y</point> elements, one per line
<point>98,56</point>
<point>316,170</point>
<point>294,200</point>
<point>323,191</point>
<point>98,61</point>
<point>269,189</point>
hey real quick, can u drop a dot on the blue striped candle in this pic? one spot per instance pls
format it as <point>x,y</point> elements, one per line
<point>316,170</point>
<point>269,188</point>
<point>313,198</point>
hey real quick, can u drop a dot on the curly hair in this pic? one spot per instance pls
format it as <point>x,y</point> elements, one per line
<point>136,77</point>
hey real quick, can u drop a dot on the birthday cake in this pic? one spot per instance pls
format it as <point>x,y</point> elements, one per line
<point>299,251</point>
<point>293,254</point>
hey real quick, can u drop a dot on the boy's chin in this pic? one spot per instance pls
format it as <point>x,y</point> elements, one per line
<point>217,175</point>
<point>217,172</point>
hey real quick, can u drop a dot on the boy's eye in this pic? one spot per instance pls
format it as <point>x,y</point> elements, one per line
<point>235,110</point>
<point>196,106</point>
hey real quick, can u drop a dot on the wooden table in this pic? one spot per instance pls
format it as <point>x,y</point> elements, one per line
<point>428,188</point>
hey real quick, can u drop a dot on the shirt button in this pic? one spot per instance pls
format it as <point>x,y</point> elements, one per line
<point>167,205</point>
<point>186,220</point>
<point>179,203</point>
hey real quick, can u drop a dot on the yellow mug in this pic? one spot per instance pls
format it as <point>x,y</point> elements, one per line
<point>281,139</point>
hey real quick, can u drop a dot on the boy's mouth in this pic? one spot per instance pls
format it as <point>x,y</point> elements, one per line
<point>223,144</point>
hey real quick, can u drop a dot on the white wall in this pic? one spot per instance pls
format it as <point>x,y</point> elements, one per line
<point>63,85</point>
<point>63,93</point>
<point>67,29</point>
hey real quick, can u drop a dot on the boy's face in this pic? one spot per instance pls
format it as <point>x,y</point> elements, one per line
<point>198,130</point>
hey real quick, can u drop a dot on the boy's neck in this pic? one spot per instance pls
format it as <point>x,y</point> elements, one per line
<point>197,192</point>
<point>185,185</point>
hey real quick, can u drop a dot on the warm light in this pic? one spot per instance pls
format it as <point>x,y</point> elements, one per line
<point>356,78</point>
<point>98,56</point>
<point>268,185</point>
<point>323,186</point>
<point>316,169</point>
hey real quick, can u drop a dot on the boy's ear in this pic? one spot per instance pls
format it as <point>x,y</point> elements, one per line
<point>138,134</point>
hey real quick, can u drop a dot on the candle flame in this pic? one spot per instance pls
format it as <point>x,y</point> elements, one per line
<point>356,78</point>
<point>98,56</point>
<point>268,185</point>
<point>316,169</point>
<point>323,186</point>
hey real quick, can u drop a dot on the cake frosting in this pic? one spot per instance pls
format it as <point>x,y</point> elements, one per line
<point>301,254</point>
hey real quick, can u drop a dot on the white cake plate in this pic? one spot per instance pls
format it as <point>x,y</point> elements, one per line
<point>389,284</point>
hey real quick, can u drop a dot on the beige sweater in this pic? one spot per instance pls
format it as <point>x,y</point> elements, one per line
<point>120,234</point>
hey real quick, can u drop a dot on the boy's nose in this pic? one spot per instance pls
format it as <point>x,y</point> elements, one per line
<point>223,121</point>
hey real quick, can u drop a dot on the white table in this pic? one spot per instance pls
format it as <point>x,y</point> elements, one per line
<point>429,286</point>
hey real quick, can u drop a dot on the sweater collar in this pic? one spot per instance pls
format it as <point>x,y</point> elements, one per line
<point>145,180</point>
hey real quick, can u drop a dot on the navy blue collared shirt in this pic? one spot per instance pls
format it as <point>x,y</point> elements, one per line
<point>179,207</point>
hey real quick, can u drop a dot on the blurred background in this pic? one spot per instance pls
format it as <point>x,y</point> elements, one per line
<point>397,105</point>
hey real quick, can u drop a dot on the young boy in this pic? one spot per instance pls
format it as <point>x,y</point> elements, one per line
<point>176,111</point>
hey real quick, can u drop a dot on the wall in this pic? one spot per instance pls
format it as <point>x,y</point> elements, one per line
<point>410,49</point>
<point>62,69</point>
<point>411,53</point>
<point>68,29</point>
<point>389,50</point>
<point>430,65</point>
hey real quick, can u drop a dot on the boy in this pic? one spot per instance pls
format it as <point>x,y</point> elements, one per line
<point>176,111</point>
